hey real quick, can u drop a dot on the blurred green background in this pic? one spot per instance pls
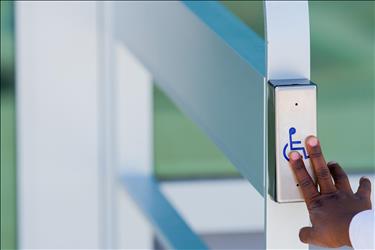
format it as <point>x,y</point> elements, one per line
<point>342,49</point>
<point>342,61</point>
<point>8,159</point>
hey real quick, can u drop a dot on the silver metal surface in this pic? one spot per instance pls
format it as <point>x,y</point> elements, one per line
<point>292,117</point>
<point>288,39</point>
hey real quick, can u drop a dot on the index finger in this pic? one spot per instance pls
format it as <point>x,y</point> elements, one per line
<point>319,165</point>
<point>308,188</point>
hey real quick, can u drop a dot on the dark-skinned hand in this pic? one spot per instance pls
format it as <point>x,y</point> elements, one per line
<point>333,205</point>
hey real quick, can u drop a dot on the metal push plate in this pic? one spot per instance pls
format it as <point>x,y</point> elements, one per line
<point>292,117</point>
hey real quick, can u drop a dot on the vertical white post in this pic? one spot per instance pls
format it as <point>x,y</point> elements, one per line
<point>134,147</point>
<point>107,119</point>
<point>84,117</point>
<point>125,135</point>
<point>57,125</point>
<point>288,57</point>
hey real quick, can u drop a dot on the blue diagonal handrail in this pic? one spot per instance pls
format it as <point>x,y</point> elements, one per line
<point>246,42</point>
<point>211,66</point>
<point>168,224</point>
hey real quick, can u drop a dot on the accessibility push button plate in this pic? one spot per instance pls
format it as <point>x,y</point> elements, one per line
<point>291,118</point>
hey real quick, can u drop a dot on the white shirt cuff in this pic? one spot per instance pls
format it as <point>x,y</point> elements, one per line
<point>362,230</point>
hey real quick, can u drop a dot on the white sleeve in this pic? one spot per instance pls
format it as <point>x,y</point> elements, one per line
<point>362,230</point>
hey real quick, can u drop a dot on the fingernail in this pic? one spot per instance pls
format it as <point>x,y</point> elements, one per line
<point>332,163</point>
<point>312,141</point>
<point>364,178</point>
<point>294,156</point>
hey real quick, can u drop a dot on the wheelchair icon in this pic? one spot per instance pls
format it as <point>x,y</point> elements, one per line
<point>293,144</point>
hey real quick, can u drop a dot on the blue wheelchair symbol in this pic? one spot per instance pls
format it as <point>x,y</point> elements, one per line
<point>292,144</point>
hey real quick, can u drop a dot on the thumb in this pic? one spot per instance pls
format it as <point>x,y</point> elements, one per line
<point>306,235</point>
